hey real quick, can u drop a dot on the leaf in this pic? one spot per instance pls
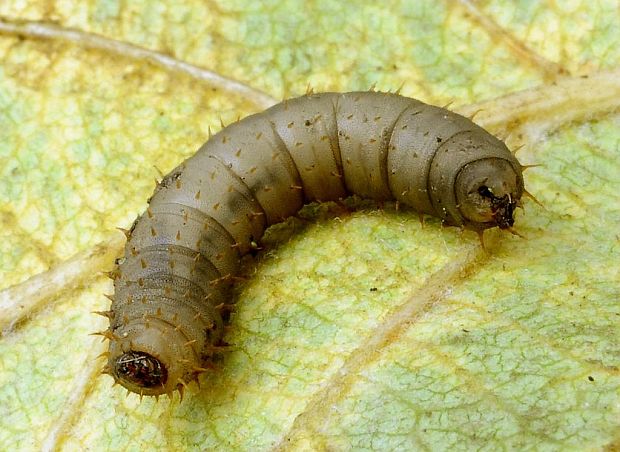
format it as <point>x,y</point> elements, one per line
<point>364,331</point>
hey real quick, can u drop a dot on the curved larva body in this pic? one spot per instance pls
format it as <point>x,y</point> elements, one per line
<point>205,214</point>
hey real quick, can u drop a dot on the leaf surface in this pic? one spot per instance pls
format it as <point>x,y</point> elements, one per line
<point>357,330</point>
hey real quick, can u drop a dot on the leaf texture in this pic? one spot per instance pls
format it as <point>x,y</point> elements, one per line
<point>355,330</point>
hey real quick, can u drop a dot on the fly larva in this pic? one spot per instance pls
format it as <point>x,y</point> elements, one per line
<point>181,254</point>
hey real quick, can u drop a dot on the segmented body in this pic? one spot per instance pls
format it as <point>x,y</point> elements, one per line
<point>204,216</point>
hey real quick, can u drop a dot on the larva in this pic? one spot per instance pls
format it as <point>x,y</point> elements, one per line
<point>174,278</point>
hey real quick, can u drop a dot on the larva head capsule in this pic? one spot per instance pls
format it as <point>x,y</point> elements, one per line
<point>152,362</point>
<point>475,181</point>
<point>140,369</point>
<point>487,192</point>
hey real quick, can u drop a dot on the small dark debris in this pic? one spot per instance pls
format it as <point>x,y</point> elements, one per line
<point>590,377</point>
<point>465,331</point>
<point>373,289</point>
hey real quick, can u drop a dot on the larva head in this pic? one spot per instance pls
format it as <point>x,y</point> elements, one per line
<point>475,181</point>
<point>487,192</point>
<point>154,361</point>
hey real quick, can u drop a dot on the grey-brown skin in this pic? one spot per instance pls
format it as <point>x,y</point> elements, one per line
<point>182,253</point>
